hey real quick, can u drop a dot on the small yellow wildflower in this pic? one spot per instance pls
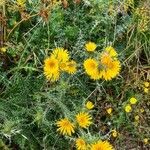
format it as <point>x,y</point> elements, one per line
<point>3,49</point>
<point>142,110</point>
<point>146,84</point>
<point>145,90</point>
<point>136,118</point>
<point>128,108</point>
<point>21,3</point>
<point>111,51</point>
<point>145,141</point>
<point>60,54</point>
<point>71,67</point>
<point>102,145</point>
<point>114,133</point>
<point>83,119</point>
<point>133,100</point>
<point>90,46</point>
<point>89,105</point>
<point>81,144</point>
<point>65,127</point>
<point>109,111</point>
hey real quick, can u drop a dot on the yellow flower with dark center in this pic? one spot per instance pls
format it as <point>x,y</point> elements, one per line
<point>65,127</point>
<point>90,46</point>
<point>111,51</point>
<point>51,69</point>
<point>102,145</point>
<point>83,119</point>
<point>71,67</point>
<point>128,108</point>
<point>133,100</point>
<point>60,54</point>
<point>81,144</point>
<point>89,105</point>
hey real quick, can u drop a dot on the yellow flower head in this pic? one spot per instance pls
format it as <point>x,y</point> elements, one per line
<point>71,67</point>
<point>3,49</point>
<point>109,111</point>
<point>90,46</point>
<point>51,69</point>
<point>145,90</point>
<point>81,144</point>
<point>83,119</point>
<point>114,133</point>
<point>142,110</point>
<point>102,145</point>
<point>91,68</point>
<point>111,51</point>
<point>136,118</point>
<point>65,127</point>
<point>89,105</point>
<point>21,3</point>
<point>146,84</point>
<point>145,141</point>
<point>111,67</point>
<point>60,54</point>
<point>133,100</point>
<point>128,108</point>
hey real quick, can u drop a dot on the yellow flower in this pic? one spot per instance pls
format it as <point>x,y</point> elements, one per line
<point>128,108</point>
<point>146,90</point>
<point>109,111</point>
<point>145,141</point>
<point>102,145</point>
<point>51,69</point>
<point>112,52</point>
<point>81,144</point>
<point>136,118</point>
<point>133,100</point>
<point>3,49</point>
<point>21,3</point>
<point>89,105</point>
<point>111,68</point>
<point>142,110</point>
<point>83,119</point>
<point>65,127</point>
<point>90,46</point>
<point>114,133</point>
<point>60,54</point>
<point>91,68</point>
<point>71,67</point>
<point>146,84</point>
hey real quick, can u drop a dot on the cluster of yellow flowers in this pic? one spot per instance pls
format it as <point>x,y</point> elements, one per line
<point>82,120</point>
<point>105,65</point>
<point>146,87</point>
<point>81,144</point>
<point>128,107</point>
<point>59,61</point>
